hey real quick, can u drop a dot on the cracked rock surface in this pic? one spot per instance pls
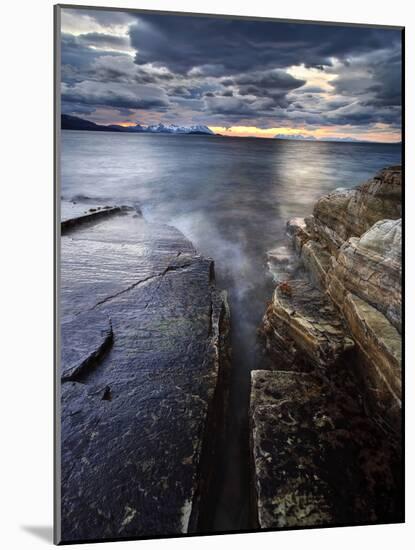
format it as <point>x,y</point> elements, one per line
<point>144,356</point>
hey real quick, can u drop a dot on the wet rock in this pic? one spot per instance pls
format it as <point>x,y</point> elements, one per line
<point>84,341</point>
<point>326,414</point>
<point>379,347</point>
<point>302,328</point>
<point>297,230</point>
<point>371,268</point>
<point>288,483</point>
<point>145,358</point>
<point>324,234</point>
<point>349,213</point>
<point>281,262</point>
<point>92,215</point>
<point>365,284</point>
<point>317,261</point>
<point>318,460</point>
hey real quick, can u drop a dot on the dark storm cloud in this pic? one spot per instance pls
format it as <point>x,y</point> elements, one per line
<point>125,97</point>
<point>228,106</point>
<point>180,91</point>
<point>223,108</point>
<point>182,43</point>
<point>270,80</point>
<point>356,114</point>
<point>223,71</point>
<point>75,54</point>
<point>273,84</point>
<point>373,83</point>
<point>76,108</point>
<point>251,94</point>
<point>120,68</point>
<point>386,82</point>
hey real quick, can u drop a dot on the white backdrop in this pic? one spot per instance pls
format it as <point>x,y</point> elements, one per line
<point>26,307</point>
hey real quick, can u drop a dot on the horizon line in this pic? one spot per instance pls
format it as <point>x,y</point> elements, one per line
<point>275,133</point>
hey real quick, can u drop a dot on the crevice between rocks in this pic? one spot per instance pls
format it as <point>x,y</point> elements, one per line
<point>82,371</point>
<point>203,504</point>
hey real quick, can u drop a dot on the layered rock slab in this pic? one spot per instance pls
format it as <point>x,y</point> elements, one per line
<point>74,215</point>
<point>332,343</point>
<point>346,213</point>
<point>366,267</point>
<point>141,409</point>
<point>302,328</point>
<point>371,268</point>
<point>379,358</point>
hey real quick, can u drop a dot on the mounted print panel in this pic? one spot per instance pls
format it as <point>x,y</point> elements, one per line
<point>229,261</point>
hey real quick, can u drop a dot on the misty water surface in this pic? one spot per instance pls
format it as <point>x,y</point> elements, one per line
<point>231,197</point>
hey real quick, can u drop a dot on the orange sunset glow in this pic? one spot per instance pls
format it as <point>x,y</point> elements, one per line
<point>381,136</point>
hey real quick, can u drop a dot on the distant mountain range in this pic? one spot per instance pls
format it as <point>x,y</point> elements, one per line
<point>69,122</point>
<point>296,137</point>
<point>302,137</point>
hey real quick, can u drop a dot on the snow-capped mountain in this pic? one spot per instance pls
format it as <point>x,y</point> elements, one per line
<point>346,139</point>
<point>302,137</point>
<point>299,137</point>
<point>70,122</point>
<point>174,129</point>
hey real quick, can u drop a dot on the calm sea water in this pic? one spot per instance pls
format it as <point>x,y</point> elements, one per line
<point>231,197</point>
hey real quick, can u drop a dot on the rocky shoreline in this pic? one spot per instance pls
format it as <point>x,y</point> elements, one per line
<point>326,410</point>
<point>145,360</point>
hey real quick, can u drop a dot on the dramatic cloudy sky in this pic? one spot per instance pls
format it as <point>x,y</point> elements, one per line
<point>239,77</point>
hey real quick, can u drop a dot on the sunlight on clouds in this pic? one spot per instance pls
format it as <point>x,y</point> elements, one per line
<point>312,76</point>
<point>108,50</point>
<point>75,22</point>
<point>78,23</point>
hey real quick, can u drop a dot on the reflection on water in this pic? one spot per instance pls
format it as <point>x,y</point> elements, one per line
<point>231,197</point>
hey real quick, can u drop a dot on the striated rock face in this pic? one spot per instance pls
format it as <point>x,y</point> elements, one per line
<point>330,399</point>
<point>366,266</point>
<point>297,229</point>
<point>351,212</point>
<point>371,268</point>
<point>378,346</point>
<point>145,358</point>
<point>303,328</point>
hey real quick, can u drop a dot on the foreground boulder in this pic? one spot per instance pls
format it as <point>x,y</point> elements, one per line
<point>326,414</point>
<point>144,359</point>
<point>319,460</point>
